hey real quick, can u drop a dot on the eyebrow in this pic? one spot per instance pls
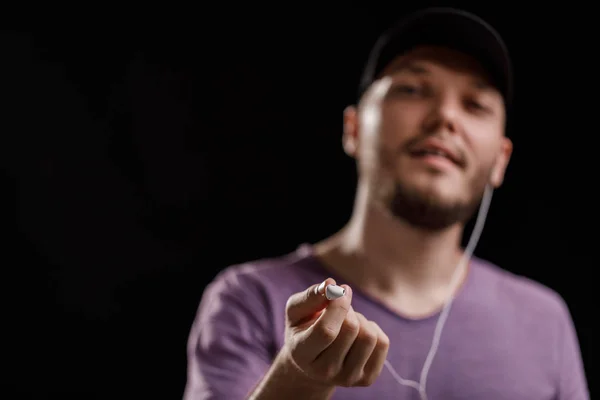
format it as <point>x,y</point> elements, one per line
<point>411,67</point>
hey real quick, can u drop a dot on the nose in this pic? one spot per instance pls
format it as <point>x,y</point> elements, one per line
<point>443,115</point>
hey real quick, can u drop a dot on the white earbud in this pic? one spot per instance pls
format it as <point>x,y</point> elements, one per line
<point>333,292</point>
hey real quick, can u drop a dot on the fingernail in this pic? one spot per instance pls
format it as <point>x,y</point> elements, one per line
<point>320,288</point>
<point>333,292</point>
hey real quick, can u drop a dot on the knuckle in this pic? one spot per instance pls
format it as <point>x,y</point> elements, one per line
<point>383,342</point>
<point>351,326</point>
<point>293,300</point>
<point>325,332</point>
<point>368,336</point>
<point>306,295</point>
<point>289,303</point>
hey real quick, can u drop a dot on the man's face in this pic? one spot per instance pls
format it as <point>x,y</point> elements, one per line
<point>429,136</point>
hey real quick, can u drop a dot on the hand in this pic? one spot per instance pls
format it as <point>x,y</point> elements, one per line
<point>330,342</point>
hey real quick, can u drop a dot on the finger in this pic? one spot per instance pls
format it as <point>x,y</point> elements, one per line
<point>376,361</point>
<point>305,304</point>
<point>360,352</point>
<point>330,361</point>
<point>327,327</point>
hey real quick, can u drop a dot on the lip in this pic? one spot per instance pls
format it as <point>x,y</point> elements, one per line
<point>436,145</point>
<point>436,162</point>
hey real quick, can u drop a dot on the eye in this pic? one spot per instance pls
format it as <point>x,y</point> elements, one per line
<point>405,89</point>
<point>477,106</point>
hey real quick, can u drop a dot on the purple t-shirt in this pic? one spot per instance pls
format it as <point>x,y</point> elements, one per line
<point>506,336</point>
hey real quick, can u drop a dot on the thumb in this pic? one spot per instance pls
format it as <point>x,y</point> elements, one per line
<point>304,305</point>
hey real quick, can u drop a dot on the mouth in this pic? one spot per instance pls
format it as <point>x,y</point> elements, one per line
<point>437,155</point>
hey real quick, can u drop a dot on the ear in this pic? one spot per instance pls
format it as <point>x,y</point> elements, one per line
<point>350,137</point>
<point>499,169</point>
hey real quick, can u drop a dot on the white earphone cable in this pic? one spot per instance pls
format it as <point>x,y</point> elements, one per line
<point>473,240</point>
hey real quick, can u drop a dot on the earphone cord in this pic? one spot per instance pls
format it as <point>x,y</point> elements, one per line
<point>473,240</point>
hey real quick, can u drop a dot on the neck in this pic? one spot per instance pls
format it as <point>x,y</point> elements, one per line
<point>389,256</point>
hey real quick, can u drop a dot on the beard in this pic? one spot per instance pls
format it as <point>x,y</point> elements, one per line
<point>430,212</point>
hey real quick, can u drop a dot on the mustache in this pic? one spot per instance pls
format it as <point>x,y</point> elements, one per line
<point>418,141</point>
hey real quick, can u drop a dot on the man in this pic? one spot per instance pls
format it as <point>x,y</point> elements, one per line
<point>428,136</point>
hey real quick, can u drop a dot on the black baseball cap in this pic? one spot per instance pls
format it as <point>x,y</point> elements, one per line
<point>446,27</point>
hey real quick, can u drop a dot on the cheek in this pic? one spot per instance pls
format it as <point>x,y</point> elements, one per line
<point>401,119</point>
<point>483,162</point>
<point>397,127</point>
<point>484,140</point>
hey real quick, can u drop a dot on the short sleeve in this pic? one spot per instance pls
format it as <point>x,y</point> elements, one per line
<point>572,384</point>
<point>229,347</point>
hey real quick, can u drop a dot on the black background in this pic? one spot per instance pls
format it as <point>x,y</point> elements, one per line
<point>143,152</point>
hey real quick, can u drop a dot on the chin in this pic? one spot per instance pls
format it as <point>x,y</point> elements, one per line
<point>441,190</point>
<point>431,205</point>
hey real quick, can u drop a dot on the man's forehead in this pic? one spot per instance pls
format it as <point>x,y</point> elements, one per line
<point>423,60</point>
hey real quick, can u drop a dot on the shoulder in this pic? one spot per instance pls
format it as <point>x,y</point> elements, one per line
<point>263,279</point>
<point>518,294</point>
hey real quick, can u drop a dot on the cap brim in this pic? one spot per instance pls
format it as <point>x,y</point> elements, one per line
<point>450,28</point>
